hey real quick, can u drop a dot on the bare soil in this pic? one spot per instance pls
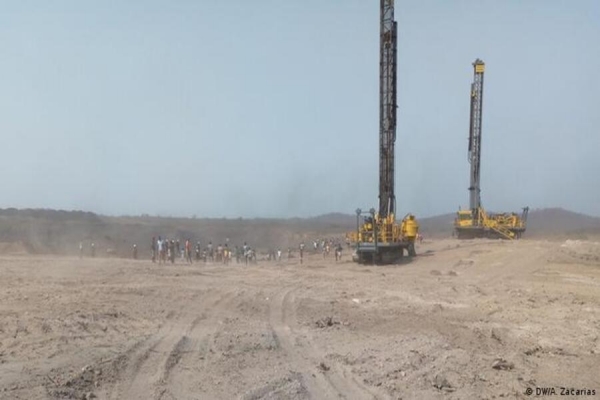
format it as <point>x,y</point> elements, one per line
<point>473,319</point>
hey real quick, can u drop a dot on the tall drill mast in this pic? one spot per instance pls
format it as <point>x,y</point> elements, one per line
<point>380,239</point>
<point>387,107</point>
<point>476,222</point>
<point>475,135</point>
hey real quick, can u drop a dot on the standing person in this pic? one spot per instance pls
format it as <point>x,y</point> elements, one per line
<point>188,250</point>
<point>167,250</point>
<point>153,247</point>
<point>164,250</point>
<point>210,252</point>
<point>178,247</point>
<point>226,254</point>
<point>247,254</point>
<point>80,249</point>
<point>159,249</point>
<point>172,250</point>
<point>219,253</point>
<point>93,249</point>
<point>278,255</point>
<point>198,251</point>
<point>302,252</point>
<point>135,251</point>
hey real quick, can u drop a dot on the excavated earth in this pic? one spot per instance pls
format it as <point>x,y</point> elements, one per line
<point>476,319</point>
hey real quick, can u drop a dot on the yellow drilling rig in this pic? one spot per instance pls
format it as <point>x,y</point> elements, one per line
<point>379,238</point>
<point>476,222</point>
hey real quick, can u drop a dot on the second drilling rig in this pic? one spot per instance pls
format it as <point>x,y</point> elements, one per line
<point>379,238</point>
<point>476,222</point>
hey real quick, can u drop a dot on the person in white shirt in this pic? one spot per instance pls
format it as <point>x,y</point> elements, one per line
<point>160,247</point>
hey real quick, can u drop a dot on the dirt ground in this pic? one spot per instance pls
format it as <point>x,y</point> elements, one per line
<point>472,319</point>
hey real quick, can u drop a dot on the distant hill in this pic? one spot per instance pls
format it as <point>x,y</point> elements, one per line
<point>551,222</point>
<point>437,226</point>
<point>347,221</point>
<point>59,232</point>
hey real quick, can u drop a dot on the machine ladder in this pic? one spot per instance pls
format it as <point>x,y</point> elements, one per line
<point>502,230</point>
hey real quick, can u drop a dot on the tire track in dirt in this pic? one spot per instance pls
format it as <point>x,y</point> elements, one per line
<point>136,364</point>
<point>338,375</point>
<point>191,348</point>
<point>149,366</point>
<point>331,384</point>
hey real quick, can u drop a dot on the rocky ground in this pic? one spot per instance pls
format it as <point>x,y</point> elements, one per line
<point>471,319</point>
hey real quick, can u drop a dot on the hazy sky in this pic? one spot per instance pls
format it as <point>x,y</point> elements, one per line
<point>270,108</point>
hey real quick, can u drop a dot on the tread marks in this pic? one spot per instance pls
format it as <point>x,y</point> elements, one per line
<point>149,367</point>
<point>328,385</point>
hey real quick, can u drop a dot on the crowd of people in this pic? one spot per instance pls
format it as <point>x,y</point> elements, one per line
<point>326,246</point>
<point>165,250</point>
<point>168,250</point>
